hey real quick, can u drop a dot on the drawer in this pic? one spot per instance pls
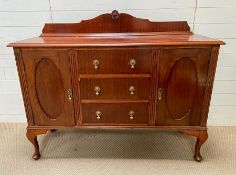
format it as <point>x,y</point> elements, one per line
<point>115,61</point>
<point>114,88</point>
<point>115,114</point>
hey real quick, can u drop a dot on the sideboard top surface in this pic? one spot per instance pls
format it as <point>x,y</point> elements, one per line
<point>116,29</point>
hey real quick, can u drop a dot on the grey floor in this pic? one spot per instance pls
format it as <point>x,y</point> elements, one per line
<point>116,152</point>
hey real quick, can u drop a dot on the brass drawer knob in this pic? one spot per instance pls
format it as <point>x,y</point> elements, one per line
<point>98,114</point>
<point>132,63</point>
<point>131,114</point>
<point>132,90</point>
<point>69,94</point>
<point>97,90</point>
<point>95,64</point>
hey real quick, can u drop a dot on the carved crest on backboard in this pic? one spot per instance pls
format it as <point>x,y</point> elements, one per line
<point>114,14</point>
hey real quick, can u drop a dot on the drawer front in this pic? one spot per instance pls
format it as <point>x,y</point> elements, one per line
<point>114,88</point>
<point>133,61</point>
<point>115,114</point>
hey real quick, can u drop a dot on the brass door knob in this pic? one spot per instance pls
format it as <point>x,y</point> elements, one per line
<point>98,114</point>
<point>97,90</point>
<point>131,114</point>
<point>96,64</point>
<point>132,63</point>
<point>132,90</point>
<point>159,94</point>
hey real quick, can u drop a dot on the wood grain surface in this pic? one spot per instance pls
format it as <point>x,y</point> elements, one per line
<point>117,71</point>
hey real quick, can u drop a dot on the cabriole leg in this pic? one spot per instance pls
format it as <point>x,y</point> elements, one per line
<point>201,138</point>
<point>31,134</point>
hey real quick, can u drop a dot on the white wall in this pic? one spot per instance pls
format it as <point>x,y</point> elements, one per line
<point>20,19</point>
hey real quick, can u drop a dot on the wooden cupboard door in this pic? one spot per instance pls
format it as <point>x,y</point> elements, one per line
<point>49,82</point>
<point>182,79</point>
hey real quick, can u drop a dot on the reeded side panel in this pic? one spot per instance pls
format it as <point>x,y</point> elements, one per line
<point>24,86</point>
<point>179,100</point>
<point>49,88</point>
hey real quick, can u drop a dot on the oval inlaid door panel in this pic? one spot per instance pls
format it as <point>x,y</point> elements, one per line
<point>49,80</point>
<point>179,101</point>
<point>49,88</point>
<point>181,86</point>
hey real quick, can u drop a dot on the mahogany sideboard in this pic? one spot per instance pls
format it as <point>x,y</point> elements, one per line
<point>117,71</point>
